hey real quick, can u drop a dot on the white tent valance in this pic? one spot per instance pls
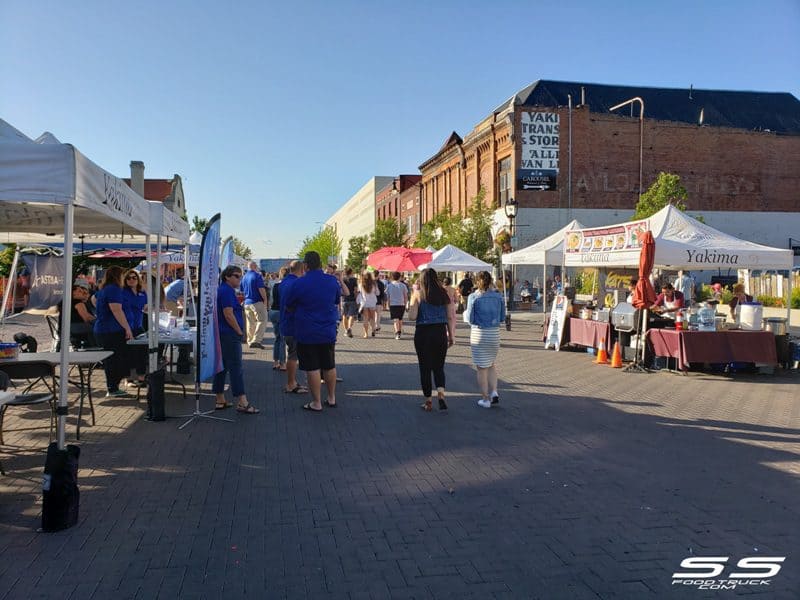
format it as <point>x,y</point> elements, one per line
<point>38,179</point>
<point>166,223</point>
<point>682,242</point>
<point>549,251</point>
<point>450,258</point>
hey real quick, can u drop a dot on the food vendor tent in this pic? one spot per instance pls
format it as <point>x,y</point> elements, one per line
<point>450,258</point>
<point>682,242</point>
<point>549,251</point>
<point>49,187</point>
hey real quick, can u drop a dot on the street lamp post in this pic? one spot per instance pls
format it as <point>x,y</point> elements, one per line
<point>510,209</point>
<point>641,132</point>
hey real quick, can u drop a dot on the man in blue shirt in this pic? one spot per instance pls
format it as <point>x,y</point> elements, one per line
<point>296,270</point>
<point>255,305</point>
<point>173,294</point>
<point>315,299</point>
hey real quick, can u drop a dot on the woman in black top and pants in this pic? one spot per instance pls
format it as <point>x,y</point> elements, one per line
<point>279,345</point>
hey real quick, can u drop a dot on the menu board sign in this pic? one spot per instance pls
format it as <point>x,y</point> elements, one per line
<point>558,317</point>
<point>598,244</point>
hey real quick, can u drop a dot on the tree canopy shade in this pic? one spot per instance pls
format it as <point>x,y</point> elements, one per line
<point>357,252</point>
<point>199,224</point>
<point>241,249</point>
<point>388,233</point>
<point>666,189</point>
<point>325,242</point>
<point>472,234</point>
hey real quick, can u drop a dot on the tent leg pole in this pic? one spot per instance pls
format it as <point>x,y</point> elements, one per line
<point>66,317</point>
<point>10,287</point>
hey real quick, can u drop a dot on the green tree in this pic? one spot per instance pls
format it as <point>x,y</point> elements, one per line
<point>388,232</point>
<point>6,259</point>
<point>199,224</point>
<point>438,231</point>
<point>325,242</point>
<point>666,189</point>
<point>357,252</point>
<point>240,248</point>
<point>472,233</point>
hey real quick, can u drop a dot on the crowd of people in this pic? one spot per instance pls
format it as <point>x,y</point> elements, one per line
<point>310,305</point>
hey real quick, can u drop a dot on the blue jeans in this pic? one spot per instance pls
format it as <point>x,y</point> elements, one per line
<point>279,345</point>
<point>231,346</point>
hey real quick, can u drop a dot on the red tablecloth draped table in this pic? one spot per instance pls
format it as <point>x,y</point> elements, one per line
<point>714,346</point>
<point>585,332</point>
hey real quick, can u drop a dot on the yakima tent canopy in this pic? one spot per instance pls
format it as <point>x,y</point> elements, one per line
<point>682,242</point>
<point>450,258</point>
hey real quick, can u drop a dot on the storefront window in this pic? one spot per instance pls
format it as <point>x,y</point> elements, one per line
<point>504,180</point>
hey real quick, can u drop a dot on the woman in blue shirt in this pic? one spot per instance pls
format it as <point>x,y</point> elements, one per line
<point>230,316</point>
<point>435,333</point>
<point>485,311</point>
<point>134,300</point>
<point>111,330</point>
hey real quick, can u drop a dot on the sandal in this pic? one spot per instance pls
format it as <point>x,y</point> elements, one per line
<point>222,405</point>
<point>427,406</point>
<point>247,409</point>
<point>442,403</point>
<point>311,408</point>
<point>298,389</point>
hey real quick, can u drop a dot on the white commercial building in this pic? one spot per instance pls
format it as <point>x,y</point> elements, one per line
<point>357,215</point>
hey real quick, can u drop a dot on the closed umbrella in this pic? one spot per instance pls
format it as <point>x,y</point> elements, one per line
<point>395,258</point>
<point>643,294</point>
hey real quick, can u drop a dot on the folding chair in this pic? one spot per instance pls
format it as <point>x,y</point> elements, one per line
<point>8,371</point>
<point>36,371</point>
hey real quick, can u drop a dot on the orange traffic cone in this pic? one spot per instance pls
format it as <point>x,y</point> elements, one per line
<point>616,357</point>
<point>602,354</point>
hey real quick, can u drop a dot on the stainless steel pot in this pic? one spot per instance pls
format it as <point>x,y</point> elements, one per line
<point>776,325</point>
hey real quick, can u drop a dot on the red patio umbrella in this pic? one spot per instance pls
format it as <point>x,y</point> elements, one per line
<point>119,254</point>
<point>644,295</point>
<point>395,258</point>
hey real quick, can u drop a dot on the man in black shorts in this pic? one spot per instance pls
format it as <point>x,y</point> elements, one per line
<point>397,292</point>
<point>465,288</point>
<point>315,300</point>
<point>349,305</point>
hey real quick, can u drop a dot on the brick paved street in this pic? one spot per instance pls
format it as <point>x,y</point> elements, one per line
<point>585,482</point>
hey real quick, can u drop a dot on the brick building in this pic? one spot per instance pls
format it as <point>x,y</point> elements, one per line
<point>561,154</point>
<point>400,200</point>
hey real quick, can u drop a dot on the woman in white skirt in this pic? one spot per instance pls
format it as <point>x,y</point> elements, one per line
<point>485,311</point>
<point>367,299</point>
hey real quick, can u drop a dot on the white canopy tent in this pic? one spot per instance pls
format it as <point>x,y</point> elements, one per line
<point>51,188</point>
<point>682,242</point>
<point>450,258</point>
<point>549,251</point>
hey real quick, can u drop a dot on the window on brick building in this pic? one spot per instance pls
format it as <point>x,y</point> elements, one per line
<point>504,180</point>
<point>410,225</point>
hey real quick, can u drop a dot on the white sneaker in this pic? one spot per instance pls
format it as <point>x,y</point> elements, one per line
<point>484,403</point>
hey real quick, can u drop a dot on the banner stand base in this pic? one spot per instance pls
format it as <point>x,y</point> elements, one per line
<point>201,415</point>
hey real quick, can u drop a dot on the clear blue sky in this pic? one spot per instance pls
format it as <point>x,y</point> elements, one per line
<point>276,113</point>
